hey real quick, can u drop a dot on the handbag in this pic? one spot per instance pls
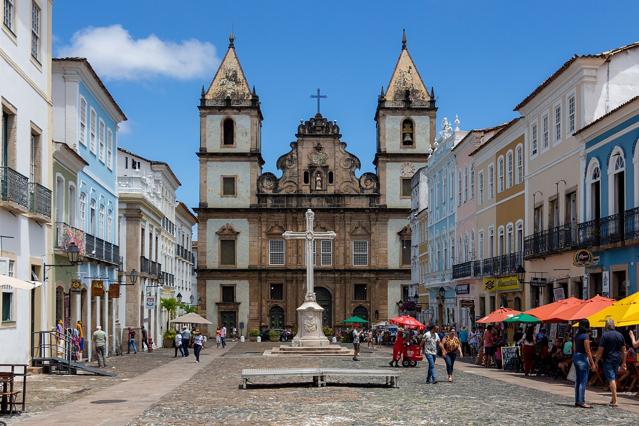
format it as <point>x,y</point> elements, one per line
<point>572,374</point>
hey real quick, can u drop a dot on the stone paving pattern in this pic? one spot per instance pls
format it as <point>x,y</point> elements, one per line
<point>213,397</point>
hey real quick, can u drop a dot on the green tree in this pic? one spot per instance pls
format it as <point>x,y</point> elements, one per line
<point>170,304</point>
<point>188,308</point>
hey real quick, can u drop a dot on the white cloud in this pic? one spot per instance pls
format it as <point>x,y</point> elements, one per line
<point>124,128</point>
<point>116,55</point>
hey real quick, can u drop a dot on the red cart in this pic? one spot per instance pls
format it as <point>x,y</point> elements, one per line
<point>412,354</point>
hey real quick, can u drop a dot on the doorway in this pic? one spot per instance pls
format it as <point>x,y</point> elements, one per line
<point>229,318</point>
<point>325,300</point>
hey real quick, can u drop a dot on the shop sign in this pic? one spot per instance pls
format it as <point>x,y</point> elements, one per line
<point>114,291</point>
<point>584,257</point>
<point>97,288</point>
<point>558,293</point>
<point>462,289</point>
<point>466,303</point>
<point>76,285</point>
<point>509,283</point>
<point>605,284</point>
<point>149,300</point>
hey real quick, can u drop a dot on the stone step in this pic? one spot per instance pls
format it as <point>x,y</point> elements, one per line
<point>32,371</point>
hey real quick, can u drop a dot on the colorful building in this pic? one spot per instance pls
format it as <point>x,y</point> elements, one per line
<point>86,119</point>
<point>610,201</point>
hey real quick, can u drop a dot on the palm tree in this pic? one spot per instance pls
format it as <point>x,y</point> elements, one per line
<point>170,304</point>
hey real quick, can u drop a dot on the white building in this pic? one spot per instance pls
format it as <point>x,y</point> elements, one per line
<point>148,239</point>
<point>419,241</point>
<point>184,259</point>
<point>25,174</point>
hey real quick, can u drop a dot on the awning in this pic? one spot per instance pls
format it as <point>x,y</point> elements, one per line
<point>6,281</point>
<point>191,318</point>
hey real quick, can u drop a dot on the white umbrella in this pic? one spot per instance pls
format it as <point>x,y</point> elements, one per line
<point>192,318</point>
<point>6,281</point>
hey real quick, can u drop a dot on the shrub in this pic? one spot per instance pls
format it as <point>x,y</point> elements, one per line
<point>254,332</point>
<point>169,334</point>
<point>328,332</point>
<point>273,335</point>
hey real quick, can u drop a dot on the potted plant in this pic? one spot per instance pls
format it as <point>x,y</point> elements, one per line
<point>273,335</point>
<point>168,338</point>
<point>253,333</point>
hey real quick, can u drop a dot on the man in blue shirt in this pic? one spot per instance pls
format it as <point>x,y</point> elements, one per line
<point>612,351</point>
<point>463,338</point>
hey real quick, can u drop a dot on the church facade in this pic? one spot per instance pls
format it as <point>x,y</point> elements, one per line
<point>248,276</point>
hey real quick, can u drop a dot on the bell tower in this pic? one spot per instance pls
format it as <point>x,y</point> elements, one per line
<point>230,127</point>
<point>405,120</point>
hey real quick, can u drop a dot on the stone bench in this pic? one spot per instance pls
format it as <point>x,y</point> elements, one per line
<point>318,374</point>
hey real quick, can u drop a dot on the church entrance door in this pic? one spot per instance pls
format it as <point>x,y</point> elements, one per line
<point>325,300</point>
<point>230,318</point>
<point>276,318</point>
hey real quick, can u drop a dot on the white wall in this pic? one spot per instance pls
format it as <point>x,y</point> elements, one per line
<point>394,296</point>
<point>214,133</point>
<point>393,184</point>
<point>214,173</point>
<point>394,244</point>
<point>241,245</point>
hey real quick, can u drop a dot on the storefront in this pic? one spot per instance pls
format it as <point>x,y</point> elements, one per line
<point>502,292</point>
<point>467,295</point>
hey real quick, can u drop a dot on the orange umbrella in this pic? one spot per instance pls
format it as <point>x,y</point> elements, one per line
<point>548,312</point>
<point>583,310</point>
<point>407,321</point>
<point>498,315</point>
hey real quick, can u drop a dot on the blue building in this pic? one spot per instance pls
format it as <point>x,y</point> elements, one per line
<point>610,202</point>
<point>440,175</point>
<point>86,118</point>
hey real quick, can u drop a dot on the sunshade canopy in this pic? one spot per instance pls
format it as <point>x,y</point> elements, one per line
<point>17,283</point>
<point>498,315</point>
<point>191,318</point>
<point>548,312</point>
<point>523,317</point>
<point>355,319</point>
<point>584,310</point>
<point>625,312</point>
<point>407,321</point>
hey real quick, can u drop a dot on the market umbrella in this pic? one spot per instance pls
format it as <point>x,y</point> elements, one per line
<point>584,310</point>
<point>380,324</point>
<point>15,283</point>
<point>523,317</point>
<point>548,312</point>
<point>622,311</point>
<point>354,319</point>
<point>407,321</point>
<point>498,315</point>
<point>191,318</point>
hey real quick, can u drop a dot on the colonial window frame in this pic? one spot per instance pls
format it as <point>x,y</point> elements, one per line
<point>227,233</point>
<point>223,194</point>
<point>557,112</point>
<point>593,174</point>
<point>616,164</point>
<point>84,113</point>
<point>500,174</point>
<point>572,112</point>
<point>545,132</point>
<point>360,252</point>
<point>509,169</point>
<point>277,252</point>
<point>534,139</point>
<point>223,129</point>
<point>519,164</point>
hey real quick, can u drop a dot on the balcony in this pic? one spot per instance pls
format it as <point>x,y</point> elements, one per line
<point>168,279</point>
<point>14,190</point>
<point>182,252</point>
<point>611,229</point>
<point>39,202</point>
<point>65,235</point>
<point>498,265</point>
<point>150,267</point>
<point>101,250</point>
<point>554,240</point>
<point>463,270</point>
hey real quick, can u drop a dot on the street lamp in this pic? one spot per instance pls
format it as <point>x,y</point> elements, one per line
<point>179,297</point>
<point>521,274</point>
<point>73,251</point>
<point>133,278</point>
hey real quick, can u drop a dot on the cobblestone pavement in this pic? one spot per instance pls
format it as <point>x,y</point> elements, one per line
<point>45,390</point>
<point>213,397</point>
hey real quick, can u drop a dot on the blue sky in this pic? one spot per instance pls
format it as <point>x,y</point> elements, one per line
<point>482,57</point>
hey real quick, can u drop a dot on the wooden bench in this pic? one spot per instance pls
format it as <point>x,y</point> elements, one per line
<point>318,374</point>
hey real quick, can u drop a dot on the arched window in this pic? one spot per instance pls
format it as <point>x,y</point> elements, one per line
<point>616,182</point>
<point>229,132</point>
<point>509,238</point>
<point>306,178</point>
<point>593,191</point>
<point>276,318</point>
<point>83,210</point>
<point>509,169</point>
<point>92,217</point>
<point>519,164</point>
<point>500,241</point>
<point>408,132</point>
<point>500,174</point>
<point>361,312</point>
<point>330,177</point>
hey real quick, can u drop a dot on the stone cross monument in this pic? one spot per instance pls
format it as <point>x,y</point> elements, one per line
<point>309,314</point>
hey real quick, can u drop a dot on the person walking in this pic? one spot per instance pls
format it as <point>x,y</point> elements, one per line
<point>186,340</point>
<point>131,342</point>
<point>99,337</point>
<point>583,362</point>
<point>370,340</point>
<point>78,327</point>
<point>198,343</point>
<point>451,347</point>
<point>473,341</point>
<point>463,338</point>
<point>430,344</point>
<point>356,338</point>
<point>223,335</point>
<point>145,340</point>
<point>178,344</point>
<point>218,337</point>
<point>612,350</point>
<point>528,344</point>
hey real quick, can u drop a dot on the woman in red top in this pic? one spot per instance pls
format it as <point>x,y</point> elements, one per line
<point>398,348</point>
<point>489,348</point>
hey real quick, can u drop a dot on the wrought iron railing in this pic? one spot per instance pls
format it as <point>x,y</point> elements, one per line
<point>14,187</point>
<point>498,265</point>
<point>631,224</point>
<point>463,270</point>
<point>66,234</point>
<point>554,240</point>
<point>150,267</point>
<point>97,248</point>
<point>39,199</point>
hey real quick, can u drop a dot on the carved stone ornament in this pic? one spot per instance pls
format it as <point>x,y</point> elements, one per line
<point>408,169</point>
<point>369,182</point>
<point>318,157</point>
<point>310,323</point>
<point>267,183</point>
<point>318,125</point>
<point>227,230</point>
